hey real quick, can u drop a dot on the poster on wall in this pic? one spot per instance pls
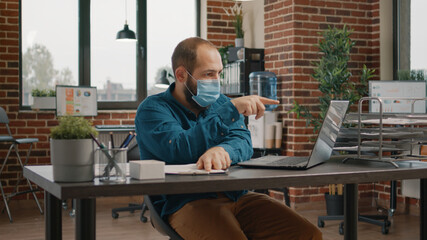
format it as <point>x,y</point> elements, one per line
<point>76,101</point>
<point>398,96</point>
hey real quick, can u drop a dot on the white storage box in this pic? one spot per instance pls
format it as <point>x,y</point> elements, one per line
<point>147,169</point>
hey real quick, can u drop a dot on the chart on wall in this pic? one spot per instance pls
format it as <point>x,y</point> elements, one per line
<point>76,101</point>
<point>396,96</point>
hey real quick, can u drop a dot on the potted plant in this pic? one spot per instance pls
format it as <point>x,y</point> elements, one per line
<point>72,150</point>
<point>333,75</point>
<point>334,82</point>
<point>43,98</point>
<point>237,13</point>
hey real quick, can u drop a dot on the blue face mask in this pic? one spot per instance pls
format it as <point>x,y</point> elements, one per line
<point>208,91</point>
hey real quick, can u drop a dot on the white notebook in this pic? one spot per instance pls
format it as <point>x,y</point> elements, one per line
<point>189,169</point>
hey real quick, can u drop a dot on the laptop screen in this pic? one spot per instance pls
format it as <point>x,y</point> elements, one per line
<point>328,132</point>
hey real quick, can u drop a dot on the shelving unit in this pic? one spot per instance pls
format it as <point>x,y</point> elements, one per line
<point>242,61</point>
<point>382,136</point>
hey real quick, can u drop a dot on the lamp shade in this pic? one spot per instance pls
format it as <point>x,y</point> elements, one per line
<point>165,79</point>
<point>126,34</point>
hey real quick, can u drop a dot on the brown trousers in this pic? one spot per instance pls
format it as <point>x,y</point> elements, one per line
<point>254,216</point>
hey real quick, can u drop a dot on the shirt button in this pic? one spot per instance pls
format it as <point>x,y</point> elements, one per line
<point>241,126</point>
<point>222,134</point>
<point>170,141</point>
<point>232,119</point>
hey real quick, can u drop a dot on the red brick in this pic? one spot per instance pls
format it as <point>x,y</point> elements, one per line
<point>112,122</point>
<point>9,13</point>
<point>36,123</point>
<point>26,131</point>
<point>333,4</point>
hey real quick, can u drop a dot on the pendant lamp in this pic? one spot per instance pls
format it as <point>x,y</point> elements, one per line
<point>126,35</point>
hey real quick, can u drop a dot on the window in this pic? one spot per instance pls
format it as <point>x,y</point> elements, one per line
<point>49,52</point>
<point>163,36</point>
<point>80,47</point>
<point>113,63</point>
<point>410,39</point>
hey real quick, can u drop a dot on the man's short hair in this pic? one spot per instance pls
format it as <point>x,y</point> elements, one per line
<point>185,53</point>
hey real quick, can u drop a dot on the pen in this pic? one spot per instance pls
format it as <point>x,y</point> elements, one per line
<point>130,139</point>
<point>124,142</point>
<point>112,139</point>
<point>100,145</point>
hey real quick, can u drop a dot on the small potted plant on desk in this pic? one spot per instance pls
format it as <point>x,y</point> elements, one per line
<point>43,98</point>
<point>334,82</point>
<point>72,150</point>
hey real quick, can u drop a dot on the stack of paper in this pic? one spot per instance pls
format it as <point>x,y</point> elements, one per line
<point>190,169</point>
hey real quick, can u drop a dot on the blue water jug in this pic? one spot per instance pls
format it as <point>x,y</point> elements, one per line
<point>264,84</point>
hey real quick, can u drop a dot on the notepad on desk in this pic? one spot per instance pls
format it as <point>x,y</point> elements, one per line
<point>190,169</point>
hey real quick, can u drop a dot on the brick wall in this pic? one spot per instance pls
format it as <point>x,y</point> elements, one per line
<point>219,26</point>
<point>291,32</point>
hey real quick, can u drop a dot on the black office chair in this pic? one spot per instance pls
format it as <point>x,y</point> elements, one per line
<point>157,222</point>
<point>132,154</point>
<point>14,142</point>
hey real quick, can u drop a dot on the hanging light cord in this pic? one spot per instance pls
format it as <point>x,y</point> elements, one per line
<point>126,11</point>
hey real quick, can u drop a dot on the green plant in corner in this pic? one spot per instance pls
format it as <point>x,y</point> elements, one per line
<point>72,127</point>
<point>333,75</point>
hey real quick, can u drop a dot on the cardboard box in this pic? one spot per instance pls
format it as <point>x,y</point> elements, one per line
<point>258,128</point>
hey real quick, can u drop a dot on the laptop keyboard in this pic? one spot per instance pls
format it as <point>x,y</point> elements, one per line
<point>289,161</point>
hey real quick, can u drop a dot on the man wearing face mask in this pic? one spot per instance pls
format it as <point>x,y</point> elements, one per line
<point>192,122</point>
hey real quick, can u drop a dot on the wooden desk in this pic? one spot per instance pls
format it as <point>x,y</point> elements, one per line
<point>351,174</point>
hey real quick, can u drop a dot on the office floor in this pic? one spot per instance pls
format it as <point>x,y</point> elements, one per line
<point>29,224</point>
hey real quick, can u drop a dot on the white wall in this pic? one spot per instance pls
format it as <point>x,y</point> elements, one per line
<point>253,23</point>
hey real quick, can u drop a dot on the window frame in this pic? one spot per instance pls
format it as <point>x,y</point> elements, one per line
<point>84,51</point>
<point>401,20</point>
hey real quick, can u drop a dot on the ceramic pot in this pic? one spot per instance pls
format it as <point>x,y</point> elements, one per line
<point>72,160</point>
<point>239,42</point>
<point>334,204</point>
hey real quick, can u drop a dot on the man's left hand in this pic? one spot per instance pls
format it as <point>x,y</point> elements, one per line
<point>214,158</point>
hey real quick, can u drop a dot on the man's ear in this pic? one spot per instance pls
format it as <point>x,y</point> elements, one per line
<point>180,74</point>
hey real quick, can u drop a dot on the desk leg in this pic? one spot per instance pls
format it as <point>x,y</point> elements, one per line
<point>53,217</point>
<point>85,219</point>
<point>350,211</point>
<point>423,209</point>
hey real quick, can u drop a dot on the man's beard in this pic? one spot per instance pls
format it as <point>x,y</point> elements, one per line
<point>191,86</point>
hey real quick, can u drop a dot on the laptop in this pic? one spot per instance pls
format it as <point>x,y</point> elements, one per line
<point>323,147</point>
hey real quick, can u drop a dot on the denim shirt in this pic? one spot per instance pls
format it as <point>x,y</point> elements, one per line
<point>168,131</point>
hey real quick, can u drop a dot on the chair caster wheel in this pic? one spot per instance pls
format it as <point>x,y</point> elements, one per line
<point>115,215</point>
<point>384,230</point>
<point>341,228</point>
<point>321,223</point>
<point>143,219</point>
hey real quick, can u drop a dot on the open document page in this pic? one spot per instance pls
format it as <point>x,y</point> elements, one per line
<point>189,169</point>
